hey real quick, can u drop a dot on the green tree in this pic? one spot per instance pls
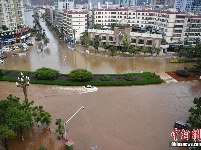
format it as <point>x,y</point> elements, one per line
<point>86,40</point>
<point>60,127</point>
<point>133,50</point>
<point>96,26</point>
<point>5,134</point>
<point>21,119</point>
<point>195,114</point>
<point>96,43</point>
<point>39,115</point>
<point>106,45</point>
<point>176,49</point>
<point>145,50</point>
<point>4,28</point>
<point>126,45</point>
<point>80,75</point>
<point>113,49</point>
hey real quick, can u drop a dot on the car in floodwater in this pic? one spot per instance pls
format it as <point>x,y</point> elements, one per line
<point>90,87</point>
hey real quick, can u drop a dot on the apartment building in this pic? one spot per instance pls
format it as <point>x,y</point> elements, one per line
<point>192,32</point>
<point>136,38</point>
<point>19,11</point>
<point>12,14</point>
<point>61,4</point>
<point>170,23</point>
<point>162,2</point>
<point>7,15</point>
<point>188,5</point>
<point>74,24</point>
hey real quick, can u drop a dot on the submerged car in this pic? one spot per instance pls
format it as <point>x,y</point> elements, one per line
<point>181,125</point>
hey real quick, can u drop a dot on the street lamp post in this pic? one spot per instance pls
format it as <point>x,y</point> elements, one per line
<point>70,119</point>
<point>23,82</point>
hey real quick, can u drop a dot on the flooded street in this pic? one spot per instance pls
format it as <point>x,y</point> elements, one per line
<point>59,57</point>
<point>114,118</point>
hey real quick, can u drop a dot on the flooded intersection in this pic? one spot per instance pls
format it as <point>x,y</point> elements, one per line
<point>113,118</point>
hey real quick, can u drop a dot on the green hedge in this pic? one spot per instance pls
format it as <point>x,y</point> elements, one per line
<point>147,78</point>
<point>182,61</point>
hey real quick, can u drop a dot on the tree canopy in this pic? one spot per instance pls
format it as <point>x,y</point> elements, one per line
<point>17,117</point>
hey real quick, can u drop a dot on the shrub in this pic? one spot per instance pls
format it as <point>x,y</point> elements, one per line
<point>80,75</point>
<point>3,72</point>
<point>129,76</point>
<point>46,74</point>
<point>183,73</point>
<point>105,78</point>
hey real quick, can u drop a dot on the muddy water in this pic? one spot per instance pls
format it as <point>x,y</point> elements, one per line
<point>59,57</point>
<point>114,118</point>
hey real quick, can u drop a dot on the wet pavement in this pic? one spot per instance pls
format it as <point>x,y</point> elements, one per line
<point>114,118</point>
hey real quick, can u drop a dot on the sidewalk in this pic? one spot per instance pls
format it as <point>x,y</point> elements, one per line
<point>167,78</point>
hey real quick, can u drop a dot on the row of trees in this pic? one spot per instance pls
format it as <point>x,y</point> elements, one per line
<point>191,53</point>
<point>124,45</point>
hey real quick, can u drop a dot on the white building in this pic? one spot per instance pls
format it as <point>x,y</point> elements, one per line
<point>188,5</point>
<point>61,4</point>
<point>74,24</point>
<point>12,14</point>
<point>170,23</point>
<point>162,2</point>
<point>183,5</point>
<point>192,32</point>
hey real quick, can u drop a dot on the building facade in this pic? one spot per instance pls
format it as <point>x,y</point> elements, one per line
<point>136,38</point>
<point>192,32</point>
<point>74,24</point>
<point>12,14</point>
<point>170,23</point>
<point>162,2</point>
<point>61,5</point>
<point>188,5</point>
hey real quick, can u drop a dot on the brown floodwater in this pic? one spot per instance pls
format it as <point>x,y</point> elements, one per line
<point>59,57</point>
<point>113,119</point>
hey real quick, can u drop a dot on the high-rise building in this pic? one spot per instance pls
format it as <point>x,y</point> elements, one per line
<point>42,2</point>
<point>12,14</point>
<point>74,24</point>
<point>67,5</point>
<point>163,2</point>
<point>188,5</point>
